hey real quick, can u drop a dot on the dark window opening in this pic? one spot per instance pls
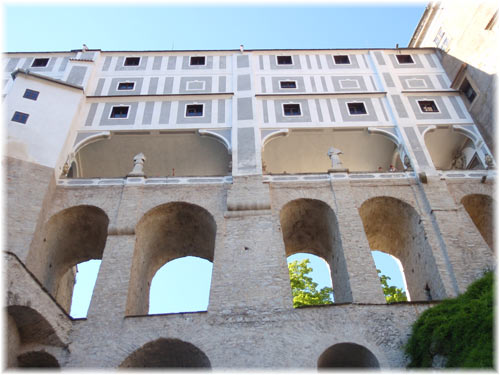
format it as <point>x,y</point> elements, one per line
<point>288,84</point>
<point>468,91</point>
<point>31,94</point>
<point>428,106</point>
<point>119,112</point>
<point>356,108</point>
<point>341,59</point>
<point>126,85</point>
<point>194,110</point>
<point>285,60</point>
<point>20,117</point>
<point>132,61</point>
<point>39,63</point>
<point>197,60</point>
<point>405,59</point>
<point>291,109</point>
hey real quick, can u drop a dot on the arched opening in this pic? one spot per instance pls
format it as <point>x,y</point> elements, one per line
<point>347,355</point>
<point>391,268</point>
<point>171,353</point>
<point>180,153</point>
<point>310,226</point>
<point>167,232</point>
<point>361,152</point>
<point>394,227</point>
<point>480,208</point>
<point>450,149</point>
<point>72,236</point>
<point>181,285</point>
<point>37,359</point>
<point>86,277</point>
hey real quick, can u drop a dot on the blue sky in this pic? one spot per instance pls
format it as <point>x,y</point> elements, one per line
<point>37,26</point>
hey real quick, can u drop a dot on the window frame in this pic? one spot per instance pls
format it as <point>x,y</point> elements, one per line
<point>288,81</point>
<point>119,106</point>
<point>197,57</point>
<point>342,63</point>
<point>195,116</point>
<point>284,63</point>
<point>294,104</point>
<point>405,63</point>
<point>428,100</point>
<point>132,57</point>
<point>463,92</point>
<point>356,114</point>
<point>40,66</point>
<point>125,82</point>
<point>31,94</point>
<point>19,116</point>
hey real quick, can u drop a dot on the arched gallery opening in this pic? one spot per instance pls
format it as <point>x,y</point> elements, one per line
<point>480,208</point>
<point>347,355</point>
<point>37,359</point>
<point>167,232</point>
<point>394,227</point>
<point>71,236</point>
<point>310,226</point>
<point>164,352</point>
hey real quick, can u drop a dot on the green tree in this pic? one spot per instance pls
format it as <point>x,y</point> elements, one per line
<point>304,289</point>
<point>391,293</point>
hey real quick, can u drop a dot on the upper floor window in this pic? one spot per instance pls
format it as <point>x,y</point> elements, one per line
<point>39,63</point>
<point>126,85</point>
<point>20,117</point>
<point>291,110</point>
<point>194,110</point>
<point>405,59</point>
<point>428,106</point>
<point>341,59</point>
<point>31,94</point>
<point>284,60</point>
<point>197,60</point>
<point>468,91</point>
<point>119,112</point>
<point>356,108</point>
<point>132,61</point>
<point>288,84</point>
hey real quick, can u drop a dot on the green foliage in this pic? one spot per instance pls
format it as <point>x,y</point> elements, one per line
<point>459,329</point>
<point>391,293</point>
<point>304,288</point>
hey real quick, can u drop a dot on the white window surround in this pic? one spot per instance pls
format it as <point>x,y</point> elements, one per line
<point>119,89</point>
<point>40,58</point>
<point>348,58</point>
<point>349,80</point>
<point>473,85</point>
<point>289,88</point>
<point>204,61</point>
<point>291,58</point>
<point>133,57</point>
<point>188,83</point>
<point>202,110</point>
<point>283,110</point>
<point>119,118</point>
<point>357,114</point>
<point>412,60</point>
<point>428,100</point>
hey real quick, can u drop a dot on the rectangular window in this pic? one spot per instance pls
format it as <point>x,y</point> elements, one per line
<point>284,60</point>
<point>119,112</point>
<point>356,108</point>
<point>428,106</point>
<point>39,63</point>
<point>132,61</point>
<point>126,85</point>
<point>341,59</point>
<point>194,110</point>
<point>197,60</point>
<point>405,59</point>
<point>468,91</point>
<point>291,109</point>
<point>31,94</point>
<point>20,117</point>
<point>288,84</point>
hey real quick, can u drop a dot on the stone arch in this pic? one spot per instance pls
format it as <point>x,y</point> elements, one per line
<point>164,352</point>
<point>310,226</point>
<point>394,227</point>
<point>37,359</point>
<point>480,208</point>
<point>71,236</point>
<point>347,355</point>
<point>165,233</point>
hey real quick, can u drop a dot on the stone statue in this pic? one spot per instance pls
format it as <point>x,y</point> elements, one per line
<point>458,161</point>
<point>333,154</point>
<point>407,163</point>
<point>138,170</point>
<point>489,161</point>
